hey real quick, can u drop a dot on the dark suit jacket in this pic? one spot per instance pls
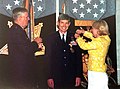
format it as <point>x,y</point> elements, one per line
<point>63,65</point>
<point>21,52</point>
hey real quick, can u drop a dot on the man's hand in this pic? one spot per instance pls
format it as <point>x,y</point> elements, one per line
<point>40,45</point>
<point>50,83</point>
<point>38,40</point>
<point>77,82</point>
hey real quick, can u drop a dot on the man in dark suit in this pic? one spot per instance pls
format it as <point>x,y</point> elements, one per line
<point>64,57</point>
<point>21,51</point>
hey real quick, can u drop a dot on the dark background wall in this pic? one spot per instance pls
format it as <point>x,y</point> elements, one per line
<point>112,50</point>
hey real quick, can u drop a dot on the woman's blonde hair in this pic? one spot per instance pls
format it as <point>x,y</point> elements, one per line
<point>102,27</point>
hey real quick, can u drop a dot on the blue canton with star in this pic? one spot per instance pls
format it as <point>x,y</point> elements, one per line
<point>6,6</point>
<point>88,9</point>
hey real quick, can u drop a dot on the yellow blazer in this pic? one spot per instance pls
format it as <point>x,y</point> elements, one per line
<point>97,50</point>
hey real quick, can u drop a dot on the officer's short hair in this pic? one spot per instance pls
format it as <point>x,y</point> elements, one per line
<point>18,12</point>
<point>63,17</point>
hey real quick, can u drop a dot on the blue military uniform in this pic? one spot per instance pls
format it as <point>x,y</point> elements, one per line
<point>63,65</point>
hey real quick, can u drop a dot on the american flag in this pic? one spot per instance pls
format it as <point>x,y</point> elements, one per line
<point>6,6</point>
<point>87,9</point>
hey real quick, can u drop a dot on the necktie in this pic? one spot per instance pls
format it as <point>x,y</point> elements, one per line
<point>63,38</point>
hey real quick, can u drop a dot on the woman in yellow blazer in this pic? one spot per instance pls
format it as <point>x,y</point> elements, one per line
<point>97,50</point>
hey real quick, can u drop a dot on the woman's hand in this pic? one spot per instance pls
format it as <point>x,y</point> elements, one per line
<point>80,31</point>
<point>76,35</point>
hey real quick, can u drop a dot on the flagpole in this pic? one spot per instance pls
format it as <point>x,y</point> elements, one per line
<point>64,6</point>
<point>28,4</point>
<point>32,19</point>
<point>57,12</point>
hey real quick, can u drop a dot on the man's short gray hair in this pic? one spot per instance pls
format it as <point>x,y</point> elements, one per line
<point>18,12</point>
